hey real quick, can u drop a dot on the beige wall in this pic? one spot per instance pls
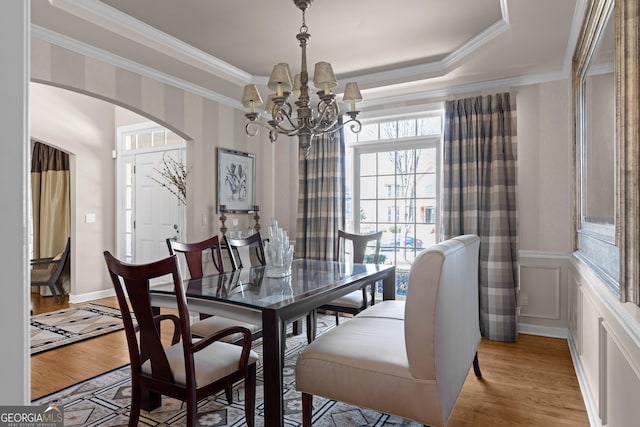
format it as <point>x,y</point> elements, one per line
<point>544,205</point>
<point>543,135</point>
<point>206,124</point>
<point>544,167</point>
<point>564,297</point>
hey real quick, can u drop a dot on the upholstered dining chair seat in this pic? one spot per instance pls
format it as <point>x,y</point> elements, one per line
<point>352,300</point>
<point>211,364</point>
<point>214,324</point>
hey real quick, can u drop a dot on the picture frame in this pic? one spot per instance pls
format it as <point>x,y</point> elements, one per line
<point>236,181</point>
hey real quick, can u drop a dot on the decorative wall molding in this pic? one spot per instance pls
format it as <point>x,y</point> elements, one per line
<point>547,279</point>
<point>565,256</point>
<point>605,297</point>
<point>587,396</point>
<point>113,20</point>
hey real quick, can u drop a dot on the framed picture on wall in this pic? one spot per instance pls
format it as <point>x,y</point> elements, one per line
<point>236,181</point>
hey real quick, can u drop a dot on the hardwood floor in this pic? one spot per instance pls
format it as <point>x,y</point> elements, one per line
<point>528,383</point>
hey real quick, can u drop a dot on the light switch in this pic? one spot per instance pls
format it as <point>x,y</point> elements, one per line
<point>90,218</point>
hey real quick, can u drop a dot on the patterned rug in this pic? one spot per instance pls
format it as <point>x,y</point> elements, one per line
<point>70,325</point>
<point>104,400</point>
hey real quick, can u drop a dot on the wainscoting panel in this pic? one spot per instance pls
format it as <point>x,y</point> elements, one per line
<point>541,285</point>
<point>605,347</point>
<point>622,388</point>
<point>575,311</point>
<point>590,356</point>
<point>543,293</point>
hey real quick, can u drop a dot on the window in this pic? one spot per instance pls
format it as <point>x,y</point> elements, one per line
<point>393,179</point>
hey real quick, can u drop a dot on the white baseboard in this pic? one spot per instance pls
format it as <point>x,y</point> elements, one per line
<point>587,397</point>
<point>75,299</point>
<point>544,331</point>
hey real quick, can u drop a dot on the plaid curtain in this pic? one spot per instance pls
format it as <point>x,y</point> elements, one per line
<point>321,197</point>
<point>480,198</point>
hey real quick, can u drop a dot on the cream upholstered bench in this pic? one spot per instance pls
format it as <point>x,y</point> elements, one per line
<point>408,359</point>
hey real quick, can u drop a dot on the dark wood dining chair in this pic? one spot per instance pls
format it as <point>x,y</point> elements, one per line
<point>189,369</point>
<point>47,271</point>
<point>356,301</point>
<point>194,254</point>
<point>253,256</point>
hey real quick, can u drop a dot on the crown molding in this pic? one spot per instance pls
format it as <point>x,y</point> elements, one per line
<point>125,25</point>
<point>499,27</point>
<point>415,97</point>
<point>443,66</point>
<point>117,61</point>
<point>502,84</point>
<point>120,23</point>
<point>576,25</point>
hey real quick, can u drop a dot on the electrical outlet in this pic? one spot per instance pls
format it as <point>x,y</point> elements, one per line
<point>524,299</point>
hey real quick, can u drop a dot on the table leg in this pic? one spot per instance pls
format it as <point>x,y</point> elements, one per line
<point>272,337</point>
<point>389,285</point>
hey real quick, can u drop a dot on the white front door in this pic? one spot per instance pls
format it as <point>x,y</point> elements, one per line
<point>158,213</point>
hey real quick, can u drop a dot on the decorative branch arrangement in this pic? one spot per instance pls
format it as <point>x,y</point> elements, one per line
<point>174,174</point>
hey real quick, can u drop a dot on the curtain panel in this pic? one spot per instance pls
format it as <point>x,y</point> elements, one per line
<point>51,200</point>
<point>321,197</point>
<point>479,197</point>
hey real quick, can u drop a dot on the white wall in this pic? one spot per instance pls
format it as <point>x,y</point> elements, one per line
<point>83,127</point>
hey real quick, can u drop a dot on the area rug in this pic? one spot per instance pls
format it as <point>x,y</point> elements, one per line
<point>105,399</point>
<point>70,325</point>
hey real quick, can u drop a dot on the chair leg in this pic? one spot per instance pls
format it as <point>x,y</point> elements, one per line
<point>311,326</point>
<point>476,366</point>
<point>337,318</point>
<point>228,392</point>
<point>250,395</point>
<point>307,409</point>
<point>134,414</point>
<point>54,293</point>
<point>192,409</point>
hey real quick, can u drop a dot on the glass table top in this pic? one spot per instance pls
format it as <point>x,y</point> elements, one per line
<point>251,287</point>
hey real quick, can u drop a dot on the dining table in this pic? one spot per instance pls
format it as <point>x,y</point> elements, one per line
<point>250,295</point>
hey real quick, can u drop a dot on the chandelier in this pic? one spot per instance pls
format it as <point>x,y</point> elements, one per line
<point>305,122</point>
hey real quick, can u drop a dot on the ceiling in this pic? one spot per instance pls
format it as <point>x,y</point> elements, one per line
<point>396,50</point>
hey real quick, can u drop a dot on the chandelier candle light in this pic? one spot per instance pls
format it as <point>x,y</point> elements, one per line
<point>278,253</point>
<point>306,123</point>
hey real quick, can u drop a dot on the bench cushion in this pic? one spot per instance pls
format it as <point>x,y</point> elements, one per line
<point>363,362</point>
<point>386,309</point>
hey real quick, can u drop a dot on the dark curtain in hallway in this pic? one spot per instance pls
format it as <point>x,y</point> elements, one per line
<point>51,202</point>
